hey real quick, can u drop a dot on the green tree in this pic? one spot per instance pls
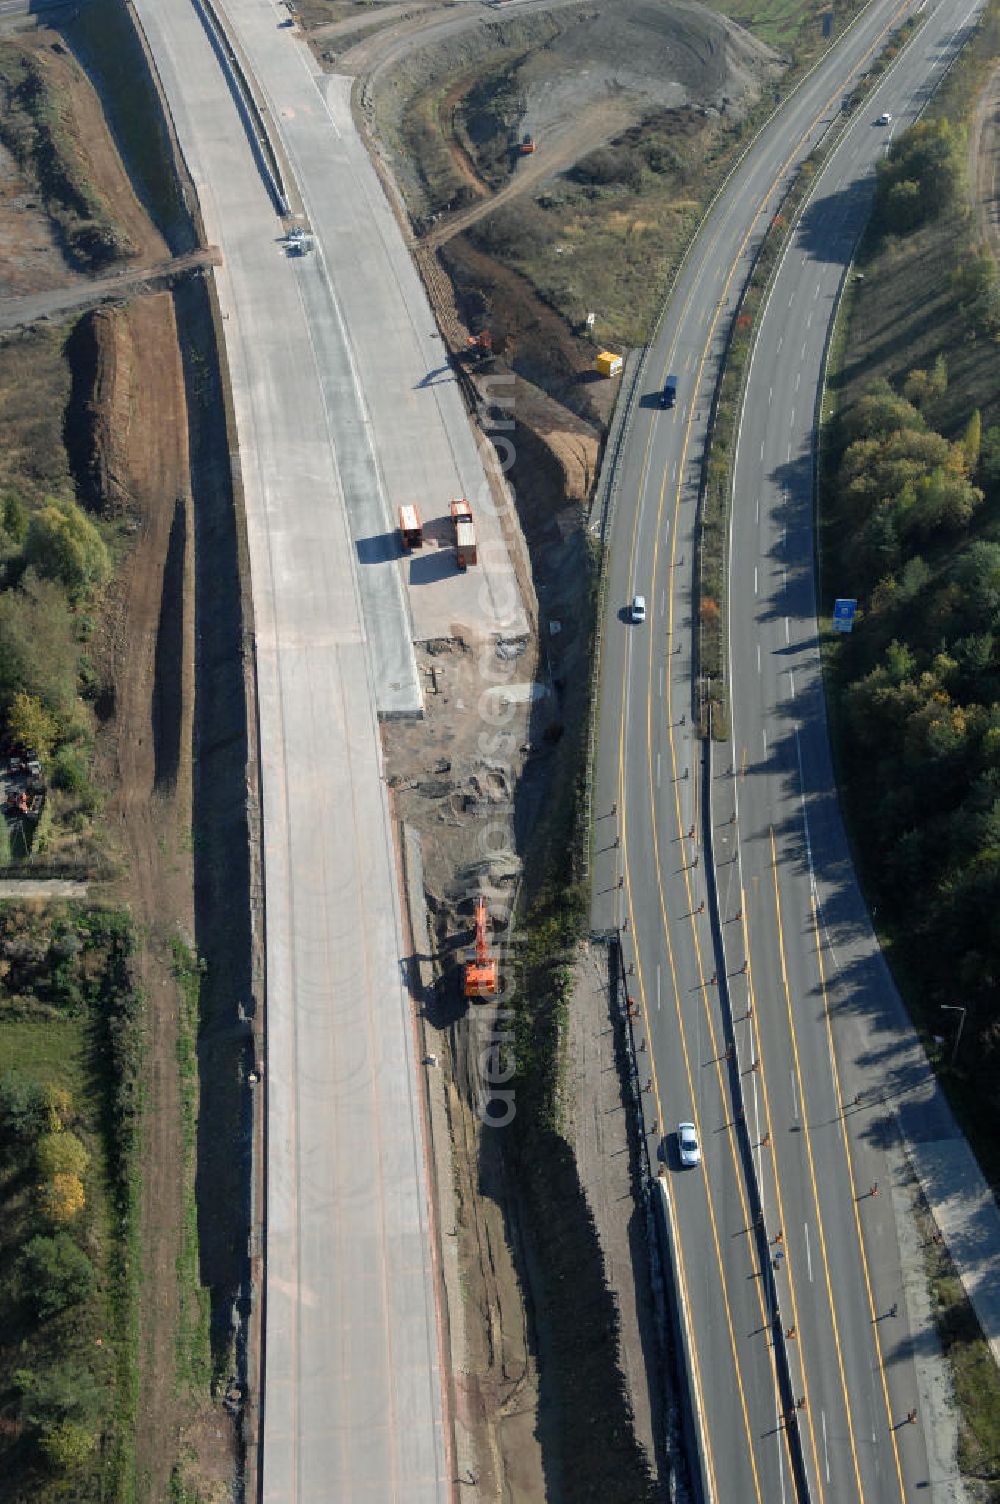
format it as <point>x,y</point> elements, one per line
<point>63,1391</point>
<point>943,500</point>
<point>23,1110</point>
<point>38,653</point>
<point>31,725</point>
<point>14,517</point>
<point>972,439</point>
<point>917,387</point>
<point>66,1446</point>
<point>899,661</point>
<point>64,545</point>
<point>975,281</point>
<point>977,574</point>
<point>989,462</point>
<point>918,180</point>
<point>939,375</point>
<point>54,1274</point>
<point>880,412</point>
<point>60,1153</point>
<point>902,207</point>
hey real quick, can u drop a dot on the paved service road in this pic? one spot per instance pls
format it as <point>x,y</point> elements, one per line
<point>782,886</point>
<point>353,1376</point>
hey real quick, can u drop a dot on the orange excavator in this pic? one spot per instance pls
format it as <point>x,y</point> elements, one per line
<point>481,974</point>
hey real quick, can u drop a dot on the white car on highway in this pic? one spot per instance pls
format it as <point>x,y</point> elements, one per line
<point>688,1146</point>
<point>884,119</point>
<point>638,608</point>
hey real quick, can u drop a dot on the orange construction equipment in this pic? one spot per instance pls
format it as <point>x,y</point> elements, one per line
<point>465,533</point>
<point>483,343</point>
<point>481,974</point>
<point>527,146</point>
<point>410,530</point>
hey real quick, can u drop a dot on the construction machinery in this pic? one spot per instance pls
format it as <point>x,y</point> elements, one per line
<point>480,345</point>
<point>481,974</point>
<point>527,147</point>
<point>411,530</point>
<point>465,533</point>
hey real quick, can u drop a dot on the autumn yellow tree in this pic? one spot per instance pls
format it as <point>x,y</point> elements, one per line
<point>60,1154</point>
<point>62,1197</point>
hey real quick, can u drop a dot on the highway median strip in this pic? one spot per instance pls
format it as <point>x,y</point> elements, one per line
<point>727,405</point>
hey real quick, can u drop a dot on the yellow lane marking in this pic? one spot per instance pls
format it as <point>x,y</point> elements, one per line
<point>854,1197</point>
<point>678,1241</point>
<point>661,1114</point>
<point>723,1096</point>
<point>777,1184</point>
<point>812,1166</point>
<point>621,764</point>
<point>708,1189</point>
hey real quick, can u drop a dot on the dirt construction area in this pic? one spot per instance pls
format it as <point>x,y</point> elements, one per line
<point>558,74</point>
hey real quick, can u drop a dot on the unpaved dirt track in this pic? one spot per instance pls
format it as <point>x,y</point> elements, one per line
<point>562,147</point>
<point>984,162</point>
<point>80,293</point>
<point>151,821</point>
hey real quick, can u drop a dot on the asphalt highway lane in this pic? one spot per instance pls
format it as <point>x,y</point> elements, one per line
<point>762,984</point>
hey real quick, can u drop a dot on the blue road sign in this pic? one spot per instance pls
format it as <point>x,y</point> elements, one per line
<point>844,612</point>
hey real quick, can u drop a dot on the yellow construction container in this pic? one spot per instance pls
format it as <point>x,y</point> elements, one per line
<point>608,364</point>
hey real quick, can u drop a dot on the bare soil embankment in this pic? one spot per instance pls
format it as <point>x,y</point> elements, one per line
<point>623,105</point>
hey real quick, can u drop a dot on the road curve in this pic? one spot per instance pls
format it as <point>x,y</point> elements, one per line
<point>832,1037</point>
<point>716,1034</point>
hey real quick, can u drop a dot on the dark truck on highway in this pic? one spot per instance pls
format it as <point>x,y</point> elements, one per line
<point>669,394</point>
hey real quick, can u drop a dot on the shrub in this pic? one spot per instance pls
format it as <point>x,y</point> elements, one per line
<point>66,1446</point>
<point>58,1106</point>
<point>62,1197</point>
<point>31,725</point>
<point>15,517</point>
<point>69,771</point>
<point>64,545</point>
<point>65,1391</point>
<point>23,1110</point>
<point>60,1154</point>
<point>54,1274</point>
<point>37,652</point>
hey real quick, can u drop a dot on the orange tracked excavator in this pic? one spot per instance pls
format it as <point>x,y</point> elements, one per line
<point>481,974</point>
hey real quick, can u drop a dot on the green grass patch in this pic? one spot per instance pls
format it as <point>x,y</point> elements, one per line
<point>973,1369</point>
<point>791,28</point>
<point>194,1362</point>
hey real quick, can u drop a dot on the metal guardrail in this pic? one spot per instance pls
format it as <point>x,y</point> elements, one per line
<point>252,110</point>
